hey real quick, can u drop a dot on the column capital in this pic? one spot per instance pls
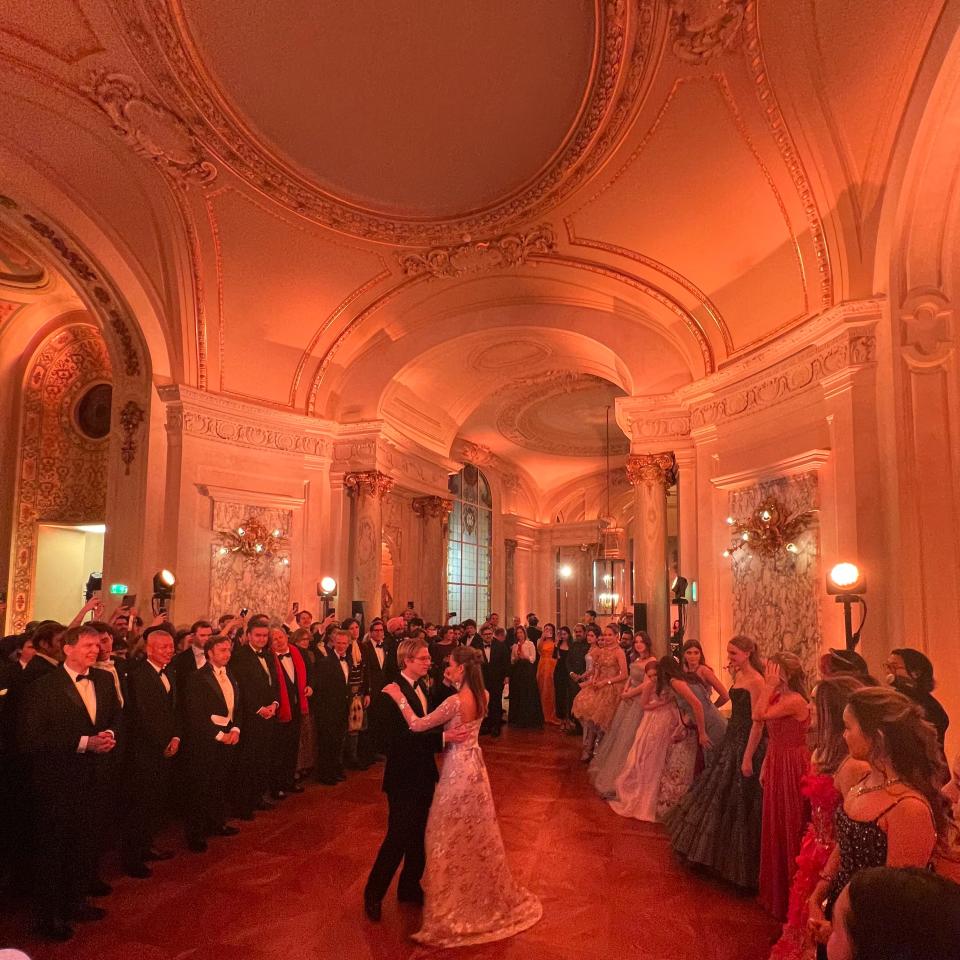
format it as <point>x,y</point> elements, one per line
<point>431,506</point>
<point>371,482</point>
<point>651,468</point>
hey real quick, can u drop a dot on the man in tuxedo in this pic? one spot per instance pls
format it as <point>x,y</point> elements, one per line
<point>332,710</point>
<point>495,668</point>
<point>193,658</point>
<point>211,734</point>
<point>294,694</point>
<point>66,726</point>
<point>48,644</point>
<point>379,668</point>
<point>409,778</point>
<point>152,741</point>
<point>253,669</point>
<point>469,633</point>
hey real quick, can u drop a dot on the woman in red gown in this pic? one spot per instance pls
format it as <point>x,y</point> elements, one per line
<point>784,708</point>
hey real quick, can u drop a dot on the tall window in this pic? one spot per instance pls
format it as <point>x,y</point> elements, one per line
<point>468,554</point>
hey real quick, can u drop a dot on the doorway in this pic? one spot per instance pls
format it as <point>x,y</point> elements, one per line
<point>66,557</point>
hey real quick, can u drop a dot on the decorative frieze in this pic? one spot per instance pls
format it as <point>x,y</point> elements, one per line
<point>131,416</point>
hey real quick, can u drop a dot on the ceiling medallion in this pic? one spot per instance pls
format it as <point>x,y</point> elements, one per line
<point>703,29</point>
<point>18,268</point>
<point>510,250</point>
<point>627,37</point>
<point>561,413</point>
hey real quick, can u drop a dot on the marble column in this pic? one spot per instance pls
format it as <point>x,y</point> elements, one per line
<point>651,474</point>
<point>366,534</point>
<point>510,578</point>
<point>433,513</point>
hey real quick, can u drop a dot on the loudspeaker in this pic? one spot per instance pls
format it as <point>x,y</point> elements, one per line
<point>639,616</point>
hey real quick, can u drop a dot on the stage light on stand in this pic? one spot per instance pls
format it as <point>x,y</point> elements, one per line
<point>163,584</point>
<point>327,592</point>
<point>678,589</point>
<point>847,583</point>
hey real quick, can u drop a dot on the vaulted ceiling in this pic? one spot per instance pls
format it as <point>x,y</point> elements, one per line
<point>476,221</point>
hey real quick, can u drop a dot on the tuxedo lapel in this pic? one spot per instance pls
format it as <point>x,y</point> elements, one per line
<point>212,680</point>
<point>71,689</point>
<point>411,694</point>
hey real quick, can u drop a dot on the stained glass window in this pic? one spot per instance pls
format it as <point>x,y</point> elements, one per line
<point>468,553</point>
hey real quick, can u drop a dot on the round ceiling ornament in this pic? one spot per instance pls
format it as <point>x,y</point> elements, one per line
<point>353,129</point>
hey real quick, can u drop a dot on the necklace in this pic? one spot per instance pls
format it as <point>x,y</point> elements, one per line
<point>878,786</point>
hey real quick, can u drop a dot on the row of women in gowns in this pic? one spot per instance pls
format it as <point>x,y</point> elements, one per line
<point>664,729</point>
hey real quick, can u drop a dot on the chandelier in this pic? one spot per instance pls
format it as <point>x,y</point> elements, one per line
<point>254,542</point>
<point>769,529</point>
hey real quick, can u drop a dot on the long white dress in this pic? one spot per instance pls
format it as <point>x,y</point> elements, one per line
<point>470,895</point>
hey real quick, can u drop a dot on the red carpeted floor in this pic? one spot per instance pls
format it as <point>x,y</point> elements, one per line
<point>289,887</point>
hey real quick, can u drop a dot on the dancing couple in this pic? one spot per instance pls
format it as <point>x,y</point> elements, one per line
<point>445,832</point>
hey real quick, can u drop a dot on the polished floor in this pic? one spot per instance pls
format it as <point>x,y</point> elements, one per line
<point>289,887</point>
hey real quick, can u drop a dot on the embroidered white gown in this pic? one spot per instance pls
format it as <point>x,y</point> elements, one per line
<point>470,895</point>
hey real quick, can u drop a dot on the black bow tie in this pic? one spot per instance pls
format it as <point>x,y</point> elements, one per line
<point>488,644</point>
<point>343,659</point>
<point>379,646</point>
<point>83,676</point>
<point>261,654</point>
<point>281,656</point>
<point>162,671</point>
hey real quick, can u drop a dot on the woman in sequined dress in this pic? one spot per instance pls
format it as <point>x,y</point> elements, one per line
<point>893,815</point>
<point>470,894</point>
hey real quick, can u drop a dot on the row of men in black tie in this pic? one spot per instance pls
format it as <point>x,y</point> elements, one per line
<point>88,744</point>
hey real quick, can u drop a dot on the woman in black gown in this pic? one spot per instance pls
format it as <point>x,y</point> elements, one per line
<point>717,824</point>
<point>525,707</point>
<point>561,676</point>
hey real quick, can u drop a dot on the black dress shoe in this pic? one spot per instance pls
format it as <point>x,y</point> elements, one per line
<point>226,831</point>
<point>372,909</point>
<point>296,788</point>
<point>55,930</point>
<point>265,805</point>
<point>328,781</point>
<point>197,846</point>
<point>89,912</point>
<point>279,795</point>
<point>99,888</point>
<point>152,856</point>
<point>245,816</point>
<point>139,870</point>
<point>341,777</point>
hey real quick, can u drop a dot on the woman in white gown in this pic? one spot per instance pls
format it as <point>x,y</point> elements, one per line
<point>470,895</point>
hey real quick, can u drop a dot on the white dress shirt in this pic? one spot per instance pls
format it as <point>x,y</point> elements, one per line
<point>226,687</point>
<point>525,649</point>
<point>89,697</point>
<point>162,673</point>
<point>108,666</point>
<point>418,691</point>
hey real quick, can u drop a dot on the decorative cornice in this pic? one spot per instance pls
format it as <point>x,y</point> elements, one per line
<point>480,256</point>
<point>807,462</point>
<point>626,49</point>
<point>651,468</point>
<point>852,348</point>
<point>373,483</point>
<point>148,127</point>
<point>215,417</point>
<point>477,454</point>
<point>700,39</point>
<point>652,419</point>
<point>431,507</point>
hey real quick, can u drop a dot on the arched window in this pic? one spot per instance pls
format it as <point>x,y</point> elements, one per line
<point>468,553</point>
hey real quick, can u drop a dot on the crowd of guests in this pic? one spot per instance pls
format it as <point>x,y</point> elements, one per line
<point>110,730</point>
<point>793,796</point>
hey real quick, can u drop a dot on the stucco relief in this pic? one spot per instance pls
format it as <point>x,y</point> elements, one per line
<point>776,597</point>
<point>63,473</point>
<point>263,584</point>
<point>926,329</point>
<point>703,29</point>
<point>148,127</point>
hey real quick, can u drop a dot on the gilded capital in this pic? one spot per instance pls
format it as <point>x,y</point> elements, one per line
<point>651,468</point>
<point>371,482</point>
<point>431,506</point>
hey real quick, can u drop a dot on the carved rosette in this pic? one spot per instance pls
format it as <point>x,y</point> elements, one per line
<point>373,483</point>
<point>131,416</point>
<point>477,454</point>
<point>652,468</point>
<point>703,29</point>
<point>431,507</point>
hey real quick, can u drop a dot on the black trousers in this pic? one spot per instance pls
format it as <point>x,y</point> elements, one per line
<point>255,760</point>
<point>286,749</point>
<point>331,734</point>
<point>493,721</point>
<point>404,842</point>
<point>145,781</point>
<point>210,773</point>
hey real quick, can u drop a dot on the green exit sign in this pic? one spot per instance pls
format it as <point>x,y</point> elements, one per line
<point>119,588</point>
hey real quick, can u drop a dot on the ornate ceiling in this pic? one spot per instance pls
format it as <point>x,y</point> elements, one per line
<point>423,212</point>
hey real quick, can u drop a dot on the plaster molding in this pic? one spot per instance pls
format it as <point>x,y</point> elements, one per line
<point>425,507</point>
<point>807,462</point>
<point>215,417</point>
<point>926,327</point>
<point>371,483</point>
<point>650,469</point>
<point>652,419</point>
<point>131,416</point>
<point>149,128</point>
<point>220,493</point>
<point>626,48</point>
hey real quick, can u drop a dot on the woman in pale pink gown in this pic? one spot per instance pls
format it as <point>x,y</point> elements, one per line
<point>470,895</point>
